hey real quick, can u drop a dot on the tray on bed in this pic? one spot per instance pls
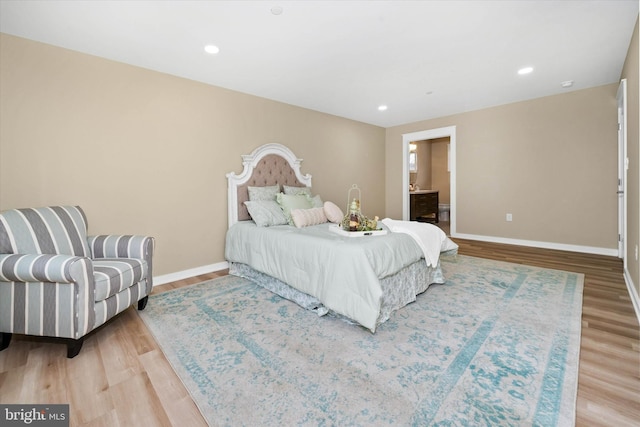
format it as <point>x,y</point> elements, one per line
<point>339,230</point>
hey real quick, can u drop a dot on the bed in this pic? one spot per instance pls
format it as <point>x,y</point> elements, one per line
<point>363,279</point>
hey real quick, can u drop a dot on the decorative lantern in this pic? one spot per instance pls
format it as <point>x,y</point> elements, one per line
<point>354,220</point>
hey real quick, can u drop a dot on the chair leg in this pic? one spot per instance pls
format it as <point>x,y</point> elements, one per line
<point>73,347</point>
<point>5,339</point>
<point>143,303</point>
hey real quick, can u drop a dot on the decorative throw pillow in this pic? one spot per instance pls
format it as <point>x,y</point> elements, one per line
<point>266,213</point>
<point>306,217</point>
<point>289,202</point>
<point>315,201</point>
<point>296,190</point>
<point>333,212</point>
<point>269,192</point>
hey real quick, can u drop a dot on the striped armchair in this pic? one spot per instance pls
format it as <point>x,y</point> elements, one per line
<point>57,282</point>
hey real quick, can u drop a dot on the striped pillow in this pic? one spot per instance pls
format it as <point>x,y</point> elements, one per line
<point>306,217</point>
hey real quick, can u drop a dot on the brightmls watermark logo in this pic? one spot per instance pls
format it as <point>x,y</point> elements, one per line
<point>34,415</point>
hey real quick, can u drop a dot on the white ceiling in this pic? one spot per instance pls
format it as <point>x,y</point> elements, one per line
<point>422,59</point>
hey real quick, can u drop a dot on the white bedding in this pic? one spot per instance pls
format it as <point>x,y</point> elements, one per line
<point>431,239</point>
<point>344,273</point>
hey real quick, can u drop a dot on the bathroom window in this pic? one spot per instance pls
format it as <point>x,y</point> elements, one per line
<point>413,161</point>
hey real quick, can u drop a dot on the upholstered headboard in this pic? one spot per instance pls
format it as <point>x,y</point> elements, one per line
<point>269,164</point>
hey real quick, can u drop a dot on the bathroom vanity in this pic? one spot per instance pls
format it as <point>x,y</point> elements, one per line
<point>424,205</point>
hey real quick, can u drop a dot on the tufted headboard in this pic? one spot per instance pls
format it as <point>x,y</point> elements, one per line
<point>269,164</point>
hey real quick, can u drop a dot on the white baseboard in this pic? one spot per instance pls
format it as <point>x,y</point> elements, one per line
<point>544,245</point>
<point>633,293</point>
<point>185,274</point>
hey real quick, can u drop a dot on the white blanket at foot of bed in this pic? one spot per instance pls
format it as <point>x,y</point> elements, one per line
<point>431,239</point>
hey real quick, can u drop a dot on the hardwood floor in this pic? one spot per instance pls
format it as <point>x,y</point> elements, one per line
<point>121,378</point>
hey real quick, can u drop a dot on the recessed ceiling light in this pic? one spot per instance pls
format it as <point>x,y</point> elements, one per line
<point>212,49</point>
<point>382,107</point>
<point>276,10</point>
<point>568,83</point>
<point>525,70</point>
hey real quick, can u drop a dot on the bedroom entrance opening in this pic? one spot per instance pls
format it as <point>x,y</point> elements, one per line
<point>429,177</point>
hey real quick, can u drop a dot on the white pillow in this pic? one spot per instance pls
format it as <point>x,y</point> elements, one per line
<point>333,212</point>
<point>269,192</point>
<point>306,217</point>
<point>266,213</point>
<point>288,189</point>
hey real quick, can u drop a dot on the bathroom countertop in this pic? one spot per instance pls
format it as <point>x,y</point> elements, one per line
<point>422,191</point>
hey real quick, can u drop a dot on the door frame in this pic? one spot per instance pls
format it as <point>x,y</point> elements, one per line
<point>623,167</point>
<point>449,131</point>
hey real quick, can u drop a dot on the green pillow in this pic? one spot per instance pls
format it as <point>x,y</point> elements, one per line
<point>288,202</point>
<point>316,201</point>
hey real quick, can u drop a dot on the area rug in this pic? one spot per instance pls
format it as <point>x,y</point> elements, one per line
<point>498,344</point>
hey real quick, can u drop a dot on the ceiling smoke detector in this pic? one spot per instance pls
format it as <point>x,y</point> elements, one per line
<point>567,83</point>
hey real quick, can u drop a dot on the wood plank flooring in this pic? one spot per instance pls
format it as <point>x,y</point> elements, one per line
<point>121,377</point>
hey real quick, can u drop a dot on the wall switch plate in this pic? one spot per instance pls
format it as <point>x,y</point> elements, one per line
<point>509,217</point>
<point>636,252</point>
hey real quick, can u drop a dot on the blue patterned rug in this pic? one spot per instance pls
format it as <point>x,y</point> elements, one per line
<point>498,345</point>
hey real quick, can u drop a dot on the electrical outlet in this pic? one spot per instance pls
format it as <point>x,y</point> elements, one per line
<point>509,217</point>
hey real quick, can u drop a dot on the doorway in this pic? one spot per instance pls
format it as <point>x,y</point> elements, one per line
<point>407,138</point>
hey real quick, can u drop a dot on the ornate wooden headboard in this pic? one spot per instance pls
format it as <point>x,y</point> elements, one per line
<point>269,164</point>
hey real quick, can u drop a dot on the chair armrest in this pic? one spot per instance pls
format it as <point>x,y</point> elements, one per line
<point>39,268</point>
<point>115,246</point>
<point>67,310</point>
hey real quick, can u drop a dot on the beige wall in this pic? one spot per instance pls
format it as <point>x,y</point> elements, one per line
<point>145,152</point>
<point>551,162</point>
<point>630,72</point>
